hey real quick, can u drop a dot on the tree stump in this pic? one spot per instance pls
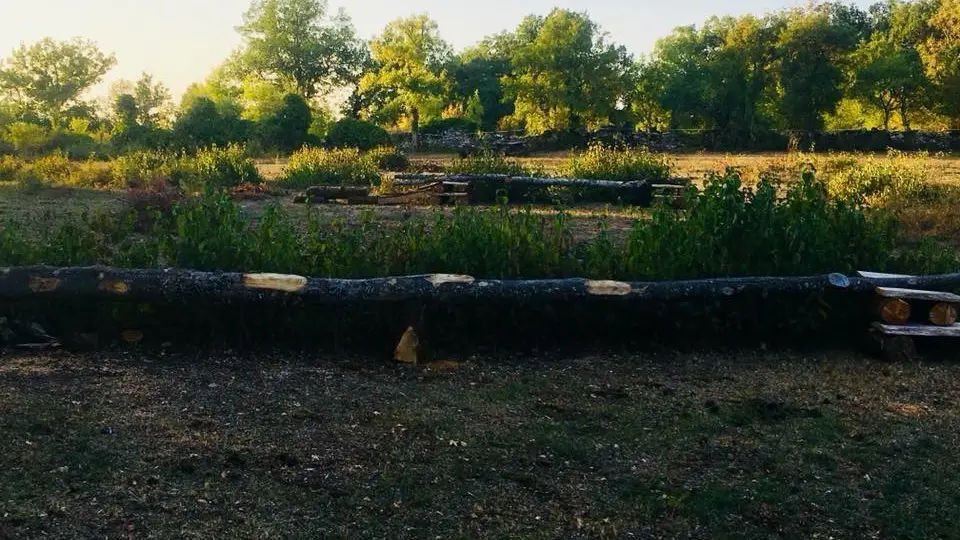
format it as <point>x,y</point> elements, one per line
<point>894,310</point>
<point>943,314</point>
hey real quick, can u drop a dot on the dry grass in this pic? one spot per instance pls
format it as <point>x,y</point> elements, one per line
<point>131,445</point>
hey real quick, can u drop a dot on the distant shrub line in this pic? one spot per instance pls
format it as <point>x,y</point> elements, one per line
<point>728,230</point>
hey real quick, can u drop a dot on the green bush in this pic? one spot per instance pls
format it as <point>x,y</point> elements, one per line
<point>28,139</point>
<point>221,168</point>
<point>489,163</point>
<point>439,125</point>
<point>9,168</point>
<point>603,163</point>
<point>351,133</point>
<point>75,145</point>
<point>143,167</point>
<point>317,166</point>
<point>54,168</point>
<point>896,178</point>
<point>389,159</point>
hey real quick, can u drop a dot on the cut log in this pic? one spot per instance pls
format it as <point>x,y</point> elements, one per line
<point>173,284</point>
<point>893,310</point>
<point>943,314</point>
<point>919,330</point>
<point>322,194</point>
<point>916,294</point>
<point>880,275</point>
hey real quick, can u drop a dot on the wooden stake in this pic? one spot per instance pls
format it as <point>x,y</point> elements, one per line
<point>943,314</point>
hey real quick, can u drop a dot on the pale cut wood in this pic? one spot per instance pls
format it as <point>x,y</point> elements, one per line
<point>943,314</point>
<point>918,330</point>
<point>880,275</point>
<point>916,294</point>
<point>894,310</point>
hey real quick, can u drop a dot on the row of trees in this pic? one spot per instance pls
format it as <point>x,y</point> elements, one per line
<point>825,65</point>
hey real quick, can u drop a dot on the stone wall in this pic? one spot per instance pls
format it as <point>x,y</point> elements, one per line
<point>513,143</point>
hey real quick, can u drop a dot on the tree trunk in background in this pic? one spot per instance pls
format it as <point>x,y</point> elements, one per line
<point>903,117</point>
<point>415,126</point>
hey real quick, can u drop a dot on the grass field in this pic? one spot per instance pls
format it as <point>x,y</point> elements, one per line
<point>666,445</point>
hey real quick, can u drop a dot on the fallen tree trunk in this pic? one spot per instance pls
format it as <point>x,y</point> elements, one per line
<point>173,284</point>
<point>488,187</point>
<point>414,179</point>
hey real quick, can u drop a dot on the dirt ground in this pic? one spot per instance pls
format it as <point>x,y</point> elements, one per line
<point>129,444</point>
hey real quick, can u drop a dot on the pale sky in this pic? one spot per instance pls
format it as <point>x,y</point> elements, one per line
<point>180,41</point>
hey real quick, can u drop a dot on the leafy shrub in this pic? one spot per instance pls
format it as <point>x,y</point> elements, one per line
<point>489,163</point>
<point>317,166</point>
<point>389,159</point>
<point>896,178</point>
<point>732,230</point>
<point>93,174</point>
<point>55,168</point>
<point>603,163</point>
<point>9,168</point>
<point>139,168</point>
<point>439,125</point>
<point>28,139</point>
<point>222,168</point>
<point>351,133</point>
<point>74,145</point>
<point>151,200</point>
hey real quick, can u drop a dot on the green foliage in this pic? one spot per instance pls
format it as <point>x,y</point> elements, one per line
<point>489,163</point>
<point>317,166</point>
<point>296,41</point>
<point>28,139</point>
<point>733,230</point>
<point>351,133</point>
<point>564,73</point>
<point>221,168</point>
<point>409,80</point>
<point>49,76</point>
<point>288,128</point>
<point>603,163</point>
<point>388,159</point>
<point>727,230</point>
<point>144,167</point>
<point>881,181</point>
<point>203,124</point>
<point>439,125</point>
<point>10,166</point>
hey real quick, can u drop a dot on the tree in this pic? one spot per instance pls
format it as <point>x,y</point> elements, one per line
<point>296,41</point>
<point>49,76</point>
<point>889,77</point>
<point>811,47</point>
<point>203,124</point>
<point>565,75</point>
<point>409,76</point>
<point>478,72</point>
<point>287,129</point>
<point>941,54</point>
<point>152,98</point>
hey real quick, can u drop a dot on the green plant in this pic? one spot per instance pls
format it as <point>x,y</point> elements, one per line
<point>222,168</point>
<point>894,179</point>
<point>489,163</point>
<point>142,167</point>
<point>351,133</point>
<point>316,166</point>
<point>389,159</point>
<point>54,168</point>
<point>600,162</point>
<point>10,166</point>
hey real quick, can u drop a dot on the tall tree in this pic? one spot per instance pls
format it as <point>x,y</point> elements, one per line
<point>811,49</point>
<point>941,52</point>
<point>409,76</point>
<point>890,77</point>
<point>152,98</point>
<point>49,77</point>
<point>478,72</point>
<point>298,41</point>
<point>565,73</point>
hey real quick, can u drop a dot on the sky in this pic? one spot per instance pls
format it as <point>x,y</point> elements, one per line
<point>181,41</point>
